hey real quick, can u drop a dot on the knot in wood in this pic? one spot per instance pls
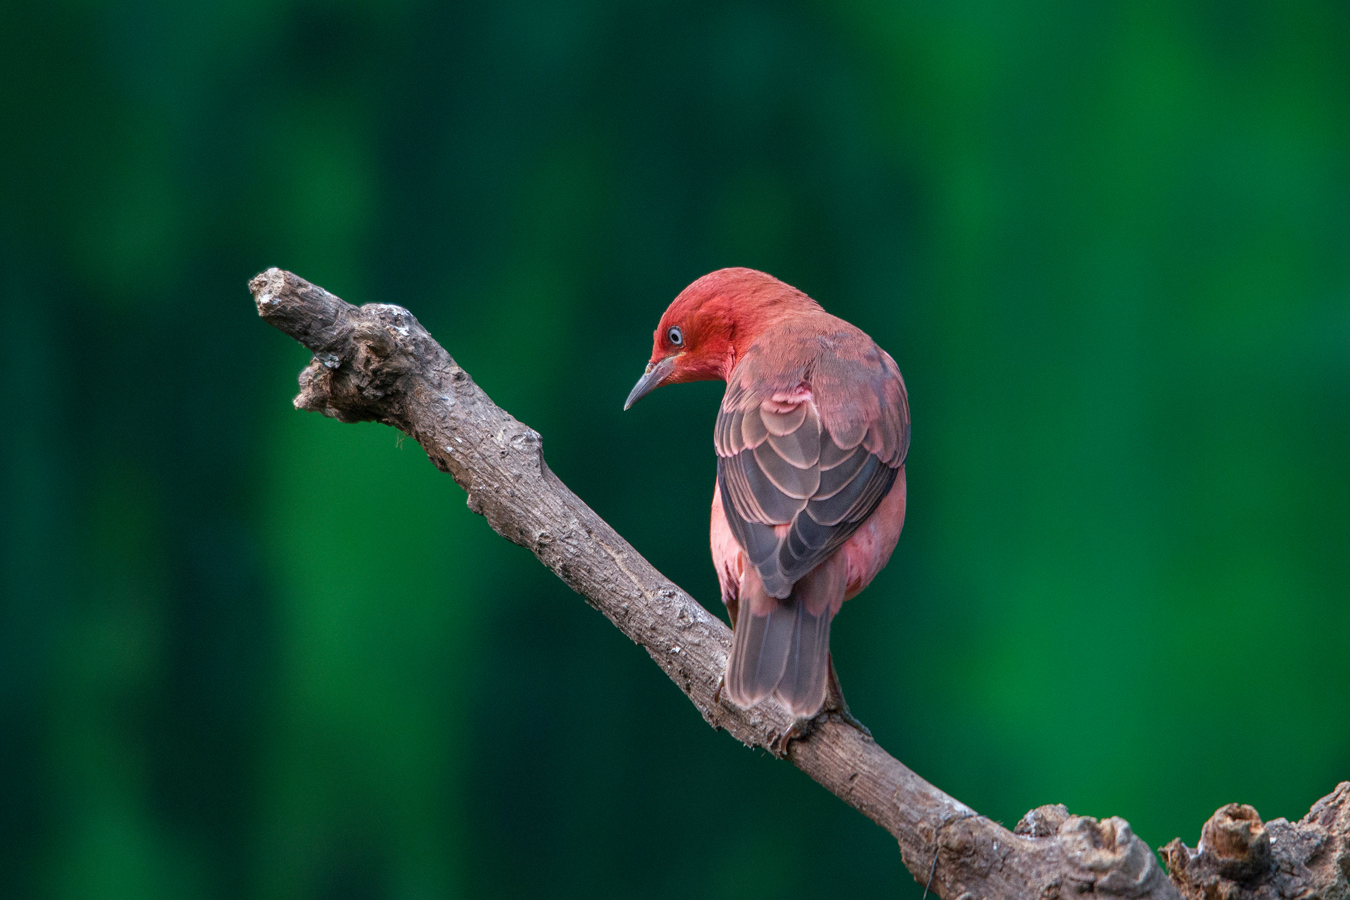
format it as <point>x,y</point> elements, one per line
<point>376,339</point>
<point>1113,859</point>
<point>959,840</point>
<point>1043,821</point>
<point>1238,841</point>
<point>526,444</point>
<point>527,439</point>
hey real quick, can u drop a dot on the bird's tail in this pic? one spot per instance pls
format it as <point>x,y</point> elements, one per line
<point>782,647</point>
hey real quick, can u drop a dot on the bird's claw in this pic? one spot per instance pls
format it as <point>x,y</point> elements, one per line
<point>836,705</point>
<point>800,728</point>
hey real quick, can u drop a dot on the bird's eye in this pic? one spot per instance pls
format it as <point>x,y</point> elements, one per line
<point>675,336</point>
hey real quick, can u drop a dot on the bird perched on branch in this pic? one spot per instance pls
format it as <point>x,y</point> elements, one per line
<point>811,440</point>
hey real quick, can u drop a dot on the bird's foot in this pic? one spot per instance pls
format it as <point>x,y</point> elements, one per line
<point>836,705</point>
<point>801,726</point>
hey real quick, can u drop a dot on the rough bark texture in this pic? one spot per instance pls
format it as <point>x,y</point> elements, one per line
<point>376,363</point>
<point>1240,858</point>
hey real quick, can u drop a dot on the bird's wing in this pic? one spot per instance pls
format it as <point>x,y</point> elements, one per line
<point>809,438</point>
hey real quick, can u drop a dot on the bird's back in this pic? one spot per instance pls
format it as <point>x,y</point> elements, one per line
<point>811,436</point>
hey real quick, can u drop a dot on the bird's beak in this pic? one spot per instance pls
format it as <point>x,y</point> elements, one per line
<point>651,379</point>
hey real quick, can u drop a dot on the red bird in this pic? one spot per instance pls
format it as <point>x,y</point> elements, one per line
<point>810,495</point>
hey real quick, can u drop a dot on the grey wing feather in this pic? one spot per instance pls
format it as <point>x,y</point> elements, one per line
<point>822,475</point>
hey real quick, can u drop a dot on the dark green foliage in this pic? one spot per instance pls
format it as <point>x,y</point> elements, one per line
<point>246,652</point>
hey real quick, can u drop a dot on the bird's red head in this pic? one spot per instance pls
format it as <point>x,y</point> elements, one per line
<point>708,326</point>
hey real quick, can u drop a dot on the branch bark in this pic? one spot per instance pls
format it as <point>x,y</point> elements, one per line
<point>376,363</point>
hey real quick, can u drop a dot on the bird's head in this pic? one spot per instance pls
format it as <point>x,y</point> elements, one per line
<point>705,330</point>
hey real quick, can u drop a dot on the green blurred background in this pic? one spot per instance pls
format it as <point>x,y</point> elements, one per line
<point>249,652</point>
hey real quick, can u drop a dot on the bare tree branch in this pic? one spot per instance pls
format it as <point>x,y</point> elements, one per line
<point>376,363</point>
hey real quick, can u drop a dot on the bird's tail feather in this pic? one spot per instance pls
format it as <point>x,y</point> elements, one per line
<point>782,647</point>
